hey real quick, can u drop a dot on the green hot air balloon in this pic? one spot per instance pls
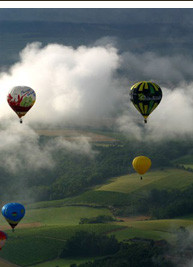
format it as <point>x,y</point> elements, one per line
<point>145,96</point>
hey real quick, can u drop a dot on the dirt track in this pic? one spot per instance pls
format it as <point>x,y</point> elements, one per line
<point>22,225</point>
<point>4,263</point>
<point>134,218</point>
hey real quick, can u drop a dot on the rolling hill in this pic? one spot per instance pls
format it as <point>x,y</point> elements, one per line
<point>161,179</point>
<point>39,239</point>
<point>121,190</point>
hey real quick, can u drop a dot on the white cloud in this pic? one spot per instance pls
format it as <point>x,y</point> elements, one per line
<point>84,86</point>
<point>172,117</point>
<point>170,70</point>
<point>20,148</point>
<point>70,84</point>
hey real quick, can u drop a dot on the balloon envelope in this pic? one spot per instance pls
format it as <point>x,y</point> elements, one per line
<point>141,164</point>
<point>21,99</point>
<point>145,96</point>
<point>3,238</point>
<point>13,213</point>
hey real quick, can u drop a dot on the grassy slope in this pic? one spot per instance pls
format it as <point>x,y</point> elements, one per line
<point>120,190</point>
<point>186,166</point>
<point>155,229</point>
<point>185,161</point>
<point>27,246</point>
<point>31,246</point>
<point>41,244</point>
<point>106,198</point>
<point>166,179</point>
<point>63,215</point>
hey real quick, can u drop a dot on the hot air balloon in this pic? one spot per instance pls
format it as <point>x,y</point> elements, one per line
<point>3,238</point>
<point>21,99</point>
<point>13,213</point>
<point>145,96</point>
<point>141,164</point>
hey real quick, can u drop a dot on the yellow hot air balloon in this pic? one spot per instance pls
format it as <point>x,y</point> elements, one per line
<point>141,164</point>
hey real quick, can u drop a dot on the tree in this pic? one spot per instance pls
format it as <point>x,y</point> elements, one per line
<point>90,244</point>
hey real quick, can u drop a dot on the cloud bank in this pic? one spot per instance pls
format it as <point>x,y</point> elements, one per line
<point>173,117</point>
<point>72,85</point>
<point>21,150</point>
<point>90,86</point>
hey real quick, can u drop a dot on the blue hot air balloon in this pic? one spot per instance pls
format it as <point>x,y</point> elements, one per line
<point>13,213</point>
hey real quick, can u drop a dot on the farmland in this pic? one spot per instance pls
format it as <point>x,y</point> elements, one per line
<point>29,246</point>
<point>121,190</point>
<point>165,179</point>
<point>33,245</point>
<point>40,237</point>
<point>115,191</point>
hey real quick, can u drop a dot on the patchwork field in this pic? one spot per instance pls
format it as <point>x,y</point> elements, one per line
<point>40,237</point>
<point>155,229</point>
<point>43,232</point>
<point>121,190</point>
<point>165,179</point>
<point>63,215</point>
<point>56,216</point>
<point>28,246</point>
<point>42,245</point>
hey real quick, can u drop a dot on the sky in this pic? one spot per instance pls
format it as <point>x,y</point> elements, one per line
<point>98,15</point>
<point>88,84</point>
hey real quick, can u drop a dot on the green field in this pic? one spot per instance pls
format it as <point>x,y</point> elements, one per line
<point>63,215</point>
<point>165,179</point>
<point>187,166</point>
<point>50,223</point>
<point>96,197</point>
<point>66,215</point>
<point>164,225</point>
<point>35,245</point>
<point>121,190</point>
<point>155,229</point>
<point>185,162</point>
<point>46,242</point>
<point>27,246</point>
